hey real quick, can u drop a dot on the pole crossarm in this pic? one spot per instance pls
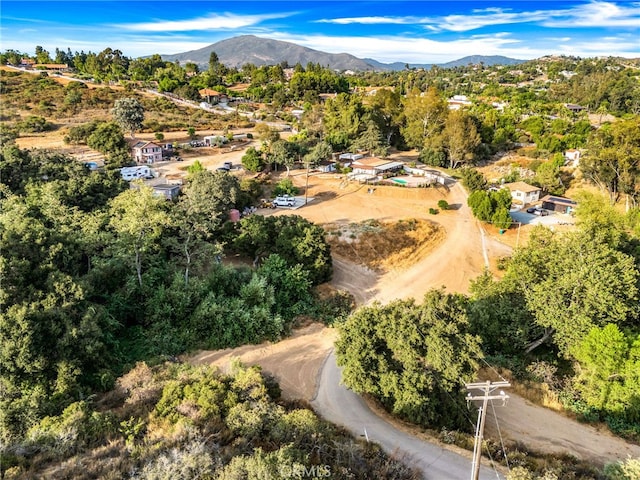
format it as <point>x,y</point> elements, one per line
<point>488,388</point>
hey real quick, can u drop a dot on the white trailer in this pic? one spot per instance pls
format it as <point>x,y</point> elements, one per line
<point>135,173</point>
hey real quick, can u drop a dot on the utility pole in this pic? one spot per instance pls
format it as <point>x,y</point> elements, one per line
<point>306,187</point>
<point>487,388</point>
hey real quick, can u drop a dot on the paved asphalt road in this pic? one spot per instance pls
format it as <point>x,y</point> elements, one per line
<point>336,403</point>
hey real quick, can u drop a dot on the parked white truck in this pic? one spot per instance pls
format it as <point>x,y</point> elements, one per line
<point>134,173</point>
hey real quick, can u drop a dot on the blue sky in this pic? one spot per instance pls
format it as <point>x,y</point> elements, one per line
<point>405,31</point>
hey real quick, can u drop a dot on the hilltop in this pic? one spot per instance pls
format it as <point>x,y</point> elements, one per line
<point>238,51</point>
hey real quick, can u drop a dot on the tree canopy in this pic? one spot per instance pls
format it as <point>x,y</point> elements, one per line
<point>412,358</point>
<point>129,114</point>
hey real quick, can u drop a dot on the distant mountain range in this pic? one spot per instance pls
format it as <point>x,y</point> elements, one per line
<point>238,51</point>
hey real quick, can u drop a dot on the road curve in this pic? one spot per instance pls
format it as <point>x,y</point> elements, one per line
<point>338,404</point>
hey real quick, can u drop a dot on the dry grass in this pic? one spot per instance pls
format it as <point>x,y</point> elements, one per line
<point>538,393</point>
<point>383,246</point>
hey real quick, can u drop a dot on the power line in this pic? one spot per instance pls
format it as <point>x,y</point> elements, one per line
<point>504,451</point>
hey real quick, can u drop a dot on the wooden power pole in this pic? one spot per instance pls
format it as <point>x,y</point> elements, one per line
<point>487,388</point>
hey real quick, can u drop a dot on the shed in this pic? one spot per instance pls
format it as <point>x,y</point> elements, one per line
<point>234,215</point>
<point>572,157</point>
<point>168,191</point>
<point>326,166</point>
<point>559,204</point>
<point>215,140</point>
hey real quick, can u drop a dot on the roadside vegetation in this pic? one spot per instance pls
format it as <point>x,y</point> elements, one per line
<point>179,421</point>
<point>97,277</point>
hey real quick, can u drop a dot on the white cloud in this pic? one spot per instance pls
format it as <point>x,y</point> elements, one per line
<point>597,14</point>
<point>374,20</point>
<point>422,50</point>
<point>416,50</point>
<point>598,48</point>
<point>455,23</point>
<point>593,14</point>
<point>492,16</point>
<point>213,21</point>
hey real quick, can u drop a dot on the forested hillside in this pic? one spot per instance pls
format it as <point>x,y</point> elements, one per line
<point>96,277</point>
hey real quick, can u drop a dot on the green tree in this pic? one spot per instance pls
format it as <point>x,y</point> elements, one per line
<point>292,237</point>
<point>201,209</point>
<point>291,286</point>
<point>501,218</point>
<point>42,56</point>
<point>252,160</point>
<point>281,154</point>
<point>371,140</point>
<point>386,109</point>
<point>588,284</point>
<point>413,358</point>
<point>602,355</point>
<point>473,180</point>
<point>73,99</point>
<point>425,118</point>
<point>195,168</point>
<point>129,114</point>
<point>548,177</point>
<point>138,219</point>
<point>480,203</point>
<point>318,153</point>
<point>107,138</point>
<point>342,120</point>
<point>613,160</point>
<point>54,339</point>
<point>499,315</point>
<point>462,138</point>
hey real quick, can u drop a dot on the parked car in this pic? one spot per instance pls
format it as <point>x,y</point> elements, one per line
<point>538,211</point>
<point>284,201</point>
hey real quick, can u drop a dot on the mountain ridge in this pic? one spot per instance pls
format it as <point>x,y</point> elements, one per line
<point>243,49</point>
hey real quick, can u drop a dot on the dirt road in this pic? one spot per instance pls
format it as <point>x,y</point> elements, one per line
<point>297,362</point>
<point>452,264</point>
<point>340,405</point>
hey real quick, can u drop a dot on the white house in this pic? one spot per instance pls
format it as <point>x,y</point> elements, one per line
<point>523,193</point>
<point>375,166</point>
<point>147,152</point>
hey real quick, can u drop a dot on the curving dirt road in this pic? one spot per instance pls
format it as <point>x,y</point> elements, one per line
<point>340,405</point>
